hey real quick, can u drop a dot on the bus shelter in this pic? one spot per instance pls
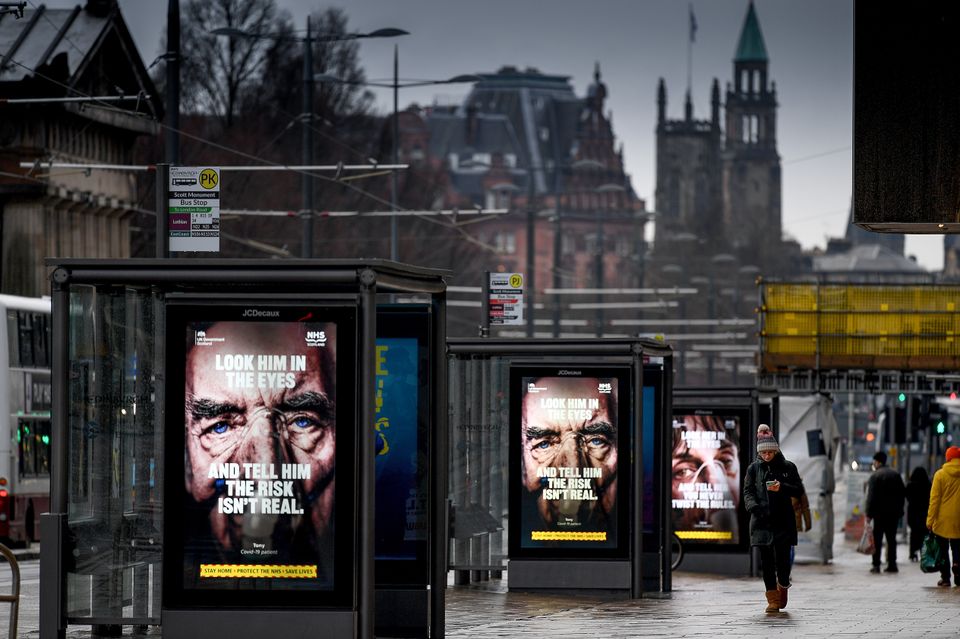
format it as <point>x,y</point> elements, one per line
<point>209,468</point>
<point>554,471</point>
<point>713,441</point>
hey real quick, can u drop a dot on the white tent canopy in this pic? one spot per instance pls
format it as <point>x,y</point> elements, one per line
<point>809,437</point>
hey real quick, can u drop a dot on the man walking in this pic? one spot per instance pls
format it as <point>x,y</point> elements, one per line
<point>885,495</point>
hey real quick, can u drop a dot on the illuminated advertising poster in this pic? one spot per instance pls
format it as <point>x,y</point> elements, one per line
<point>260,402</point>
<point>569,455</point>
<point>706,477</point>
<point>401,504</point>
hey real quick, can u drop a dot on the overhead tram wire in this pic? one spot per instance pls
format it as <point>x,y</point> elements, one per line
<point>256,244</point>
<point>209,142</point>
<point>264,161</point>
<point>462,232</point>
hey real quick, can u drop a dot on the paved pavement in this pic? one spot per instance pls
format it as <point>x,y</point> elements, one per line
<point>837,600</point>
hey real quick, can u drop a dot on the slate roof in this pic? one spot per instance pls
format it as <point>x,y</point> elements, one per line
<point>513,108</point>
<point>62,44</point>
<point>866,258</point>
<point>495,133</point>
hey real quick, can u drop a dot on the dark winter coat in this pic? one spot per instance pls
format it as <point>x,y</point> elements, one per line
<point>918,498</point>
<point>885,494</point>
<point>771,513</point>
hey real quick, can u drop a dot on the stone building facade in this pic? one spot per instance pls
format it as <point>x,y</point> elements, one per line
<point>61,53</point>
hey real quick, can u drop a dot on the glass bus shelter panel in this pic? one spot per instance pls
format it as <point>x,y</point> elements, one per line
<point>113,489</point>
<point>479,409</point>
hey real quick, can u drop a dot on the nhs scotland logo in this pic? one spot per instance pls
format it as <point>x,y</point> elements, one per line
<point>316,338</point>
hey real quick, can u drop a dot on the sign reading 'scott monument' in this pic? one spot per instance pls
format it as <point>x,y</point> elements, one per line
<point>194,208</point>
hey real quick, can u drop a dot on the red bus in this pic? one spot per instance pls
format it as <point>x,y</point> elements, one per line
<point>25,400</point>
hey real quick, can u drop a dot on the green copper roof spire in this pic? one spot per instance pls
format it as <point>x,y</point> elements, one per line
<point>751,47</point>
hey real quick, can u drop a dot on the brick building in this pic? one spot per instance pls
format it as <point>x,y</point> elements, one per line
<point>524,141</point>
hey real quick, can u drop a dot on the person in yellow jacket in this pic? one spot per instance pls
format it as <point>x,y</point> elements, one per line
<point>943,516</point>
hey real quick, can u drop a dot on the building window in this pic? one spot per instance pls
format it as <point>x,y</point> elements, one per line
<point>568,244</point>
<point>510,160</point>
<point>624,246</point>
<point>590,243</point>
<point>505,242</point>
<point>477,161</point>
<point>751,129</point>
<point>497,199</point>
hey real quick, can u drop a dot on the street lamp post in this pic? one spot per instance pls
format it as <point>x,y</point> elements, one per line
<point>396,85</point>
<point>603,188</point>
<point>557,249</point>
<point>395,143</point>
<point>306,153</point>
<point>531,282</point>
<point>306,180</point>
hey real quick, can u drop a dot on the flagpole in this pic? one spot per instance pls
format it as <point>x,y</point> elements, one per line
<point>693,31</point>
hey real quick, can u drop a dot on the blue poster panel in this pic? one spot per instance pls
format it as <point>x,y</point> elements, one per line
<point>401,436</point>
<point>401,505</point>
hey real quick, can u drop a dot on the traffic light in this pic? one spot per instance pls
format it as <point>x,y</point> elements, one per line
<point>902,398</point>
<point>941,427</point>
<point>895,427</point>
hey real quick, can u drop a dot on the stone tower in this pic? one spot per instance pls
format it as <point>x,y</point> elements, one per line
<point>751,164</point>
<point>688,185</point>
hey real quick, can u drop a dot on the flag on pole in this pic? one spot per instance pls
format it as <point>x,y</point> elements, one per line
<point>693,25</point>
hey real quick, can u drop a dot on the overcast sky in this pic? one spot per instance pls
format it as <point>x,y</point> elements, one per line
<point>809,44</point>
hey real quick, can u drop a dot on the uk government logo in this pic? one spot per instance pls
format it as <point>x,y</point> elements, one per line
<point>200,339</point>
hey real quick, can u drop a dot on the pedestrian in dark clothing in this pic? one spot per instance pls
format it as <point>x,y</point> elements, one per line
<point>885,492</point>
<point>918,498</point>
<point>770,484</point>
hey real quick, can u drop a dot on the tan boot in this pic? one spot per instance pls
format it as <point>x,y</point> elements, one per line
<point>773,601</point>
<point>782,590</point>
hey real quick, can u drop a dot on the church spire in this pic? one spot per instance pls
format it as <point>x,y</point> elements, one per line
<point>751,47</point>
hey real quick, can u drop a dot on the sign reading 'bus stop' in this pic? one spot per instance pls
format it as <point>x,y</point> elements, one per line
<point>194,208</point>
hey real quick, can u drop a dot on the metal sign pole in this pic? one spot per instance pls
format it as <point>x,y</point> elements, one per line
<point>485,305</point>
<point>163,201</point>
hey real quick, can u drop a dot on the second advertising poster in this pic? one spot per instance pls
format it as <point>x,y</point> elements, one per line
<point>569,448</point>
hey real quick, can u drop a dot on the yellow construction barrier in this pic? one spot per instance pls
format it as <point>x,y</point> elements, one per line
<point>859,326</point>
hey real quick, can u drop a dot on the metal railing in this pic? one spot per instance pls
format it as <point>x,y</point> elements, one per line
<point>14,598</point>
